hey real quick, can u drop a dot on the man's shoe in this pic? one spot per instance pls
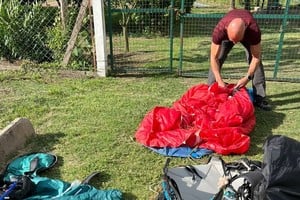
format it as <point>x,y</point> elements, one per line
<point>264,105</point>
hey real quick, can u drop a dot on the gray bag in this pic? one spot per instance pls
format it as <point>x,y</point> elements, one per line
<point>192,182</point>
<point>200,182</point>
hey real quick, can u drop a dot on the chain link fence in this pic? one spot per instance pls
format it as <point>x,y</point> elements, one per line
<point>148,36</point>
<point>139,32</point>
<point>39,31</point>
<point>187,34</point>
<point>279,22</point>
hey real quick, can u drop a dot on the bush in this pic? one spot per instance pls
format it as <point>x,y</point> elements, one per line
<point>58,38</point>
<point>22,31</point>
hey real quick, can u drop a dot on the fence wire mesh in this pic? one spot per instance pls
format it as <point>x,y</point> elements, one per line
<point>140,35</point>
<point>189,33</point>
<point>279,23</point>
<point>149,35</point>
<point>34,30</point>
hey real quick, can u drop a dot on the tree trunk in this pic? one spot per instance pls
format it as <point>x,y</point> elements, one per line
<point>126,39</point>
<point>64,12</point>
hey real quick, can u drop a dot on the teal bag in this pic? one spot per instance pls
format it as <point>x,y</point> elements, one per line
<point>22,181</point>
<point>29,164</point>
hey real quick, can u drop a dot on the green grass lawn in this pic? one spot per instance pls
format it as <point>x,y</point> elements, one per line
<point>90,122</point>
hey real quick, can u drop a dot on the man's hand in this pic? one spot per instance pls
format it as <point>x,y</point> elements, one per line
<point>214,63</point>
<point>221,83</point>
<point>242,82</point>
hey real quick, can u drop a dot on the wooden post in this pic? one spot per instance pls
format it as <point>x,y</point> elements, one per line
<point>75,32</point>
<point>63,12</point>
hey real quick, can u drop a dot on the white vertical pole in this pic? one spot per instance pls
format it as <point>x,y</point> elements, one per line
<point>100,37</point>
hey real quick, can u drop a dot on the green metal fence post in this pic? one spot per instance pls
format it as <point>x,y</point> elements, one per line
<point>181,38</point>
<point>283,28</point>
<point>171,12</point>
<point>110,35</point>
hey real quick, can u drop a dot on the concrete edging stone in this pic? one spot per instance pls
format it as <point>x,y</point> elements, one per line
<point>14,136</point>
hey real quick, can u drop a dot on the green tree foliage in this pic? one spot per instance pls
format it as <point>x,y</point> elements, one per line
<point>146,23</point>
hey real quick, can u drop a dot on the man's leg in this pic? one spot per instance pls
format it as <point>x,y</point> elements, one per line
<point>258,82</point>
<point>226,46</point>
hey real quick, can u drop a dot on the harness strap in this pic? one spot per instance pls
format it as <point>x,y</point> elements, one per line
<point>253,177</point>
<point>89,177</point>
<point>194,172</point>
<point>171,185</point>
<point>175,189</point>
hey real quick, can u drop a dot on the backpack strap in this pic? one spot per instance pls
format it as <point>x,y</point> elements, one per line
<point>242,165</point>
<point>89,177</point>
<point>246,190</point>
<point>253,177</point>
<point>10,189</point>
<point>194,172</point>
<point>243,168</point>
<point>170,185</point>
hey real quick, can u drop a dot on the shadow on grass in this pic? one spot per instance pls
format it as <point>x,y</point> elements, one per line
<point>266,121</point>
<point>129,196</point>
<point>45,142</point>
<point>287,98</point>
<point>98,180</point>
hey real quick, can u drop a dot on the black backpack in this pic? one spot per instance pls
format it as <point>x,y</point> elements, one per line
<point>17,190</point>
<point>15,180</point>
<point>280,170</point>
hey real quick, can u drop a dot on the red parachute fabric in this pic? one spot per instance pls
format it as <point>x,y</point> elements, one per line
<point>211,117</point>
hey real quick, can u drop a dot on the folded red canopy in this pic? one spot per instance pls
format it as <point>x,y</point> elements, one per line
<point>209,117</point>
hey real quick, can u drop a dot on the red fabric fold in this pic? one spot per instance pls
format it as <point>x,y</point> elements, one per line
<point>219,119</point>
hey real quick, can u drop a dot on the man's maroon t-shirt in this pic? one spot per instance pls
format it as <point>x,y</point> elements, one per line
<point>252,33</point>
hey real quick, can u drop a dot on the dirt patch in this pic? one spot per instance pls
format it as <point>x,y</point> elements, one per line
<point>6,65</point>
<point>76,74</point>
<point>64,73</point>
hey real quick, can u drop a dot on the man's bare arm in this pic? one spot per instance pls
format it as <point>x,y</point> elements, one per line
<point>214,63</point>
<point>256,56</point>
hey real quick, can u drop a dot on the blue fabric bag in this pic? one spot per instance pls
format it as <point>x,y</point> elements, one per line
<point>21,180</point>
